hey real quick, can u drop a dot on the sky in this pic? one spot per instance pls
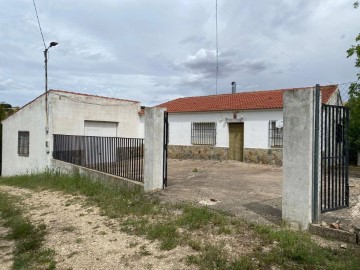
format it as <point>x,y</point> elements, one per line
<point>158,50</point>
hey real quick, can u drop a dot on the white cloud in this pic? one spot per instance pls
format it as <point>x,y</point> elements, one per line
<point>158,50</point>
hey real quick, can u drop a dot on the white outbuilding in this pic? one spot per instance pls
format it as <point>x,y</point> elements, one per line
<point>28,133</point>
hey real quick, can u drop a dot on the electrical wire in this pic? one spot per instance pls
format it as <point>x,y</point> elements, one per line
<point>37,16</point>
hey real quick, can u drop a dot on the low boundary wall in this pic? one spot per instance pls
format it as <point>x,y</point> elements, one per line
<point>68,168</point>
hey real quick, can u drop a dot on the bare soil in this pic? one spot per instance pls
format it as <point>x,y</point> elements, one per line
<point>6,248</point>
<point>250,191</point>
<point>83,239</point>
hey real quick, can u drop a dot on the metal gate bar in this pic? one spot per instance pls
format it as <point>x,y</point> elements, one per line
<point>113,155</point>
<point>334,158</point>
<point>165,153</point>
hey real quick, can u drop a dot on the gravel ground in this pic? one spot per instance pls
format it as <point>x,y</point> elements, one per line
<point>83,239</point>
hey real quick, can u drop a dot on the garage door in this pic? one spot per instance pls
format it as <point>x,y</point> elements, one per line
<point>101,129</point>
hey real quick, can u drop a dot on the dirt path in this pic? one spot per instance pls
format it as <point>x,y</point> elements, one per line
<point>83,239</point>
<point>6,248</point>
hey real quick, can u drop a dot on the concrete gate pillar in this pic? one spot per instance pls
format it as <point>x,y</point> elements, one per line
<point>298,157</point>
<point>154,147</point>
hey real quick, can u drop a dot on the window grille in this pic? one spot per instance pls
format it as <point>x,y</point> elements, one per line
<point>23,143</point>
<point>275,135</point>
<point>203,133</point>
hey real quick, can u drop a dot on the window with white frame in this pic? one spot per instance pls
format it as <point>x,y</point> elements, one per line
<point>203,133</point>
<point>23,143</point>
<point>276,134</point>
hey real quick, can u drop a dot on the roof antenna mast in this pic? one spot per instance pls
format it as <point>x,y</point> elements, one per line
<point>217,46</point>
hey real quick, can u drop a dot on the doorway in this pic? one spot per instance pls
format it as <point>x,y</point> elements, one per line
<point>236,141</point>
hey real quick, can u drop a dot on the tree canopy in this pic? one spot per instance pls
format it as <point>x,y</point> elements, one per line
<point>354,100</point>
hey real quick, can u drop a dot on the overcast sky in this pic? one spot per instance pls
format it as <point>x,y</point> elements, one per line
<point>154,51</point>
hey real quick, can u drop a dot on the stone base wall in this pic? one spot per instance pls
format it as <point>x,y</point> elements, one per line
<point>197,152</point>
<point>251,155</point>
<point>264,156</point>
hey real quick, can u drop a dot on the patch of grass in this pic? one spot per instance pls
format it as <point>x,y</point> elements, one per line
<point>225,230</point>
<point>214,257</point>
<point>195,218</point>
<point>292,248</point>
<point>113,201</point>
<point>166,233</point>
<point>135,226</point>
<point>28,253</point>
<point>195,170</point>
<point>195,244</point>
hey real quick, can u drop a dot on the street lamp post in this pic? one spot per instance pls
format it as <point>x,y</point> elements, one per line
<point>46,53</point>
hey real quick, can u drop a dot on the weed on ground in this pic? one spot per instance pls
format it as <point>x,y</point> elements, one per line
<point>219,240</point>
<point>29,252</point>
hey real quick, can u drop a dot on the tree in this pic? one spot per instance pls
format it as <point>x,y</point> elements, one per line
<point>2,112</point>
<point>354,101</point>
<point>5,110</point>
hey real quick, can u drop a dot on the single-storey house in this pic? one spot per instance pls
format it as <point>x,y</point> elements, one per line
<point>244,126</point>
<point>28,133</point>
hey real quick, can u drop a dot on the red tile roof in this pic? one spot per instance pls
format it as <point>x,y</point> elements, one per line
<point>271,99</point>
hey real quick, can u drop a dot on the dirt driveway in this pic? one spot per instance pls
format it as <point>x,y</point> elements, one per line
<point>83,238</point>
<point>250,191</point>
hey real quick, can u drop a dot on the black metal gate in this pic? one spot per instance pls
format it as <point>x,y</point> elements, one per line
<point>166,141</point>
<point>334,158</point>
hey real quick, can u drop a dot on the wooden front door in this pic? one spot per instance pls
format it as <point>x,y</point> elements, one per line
<point>236,141</point>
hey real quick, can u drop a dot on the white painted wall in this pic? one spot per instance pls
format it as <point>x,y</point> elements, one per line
<point>31,118</point>
<point>70,111</point>
<point>256,127</point>
<point>102,129</point>
<point>142,126</point>
<point>67,115</point>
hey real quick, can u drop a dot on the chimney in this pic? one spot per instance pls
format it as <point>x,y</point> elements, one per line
<point>233,87</point>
